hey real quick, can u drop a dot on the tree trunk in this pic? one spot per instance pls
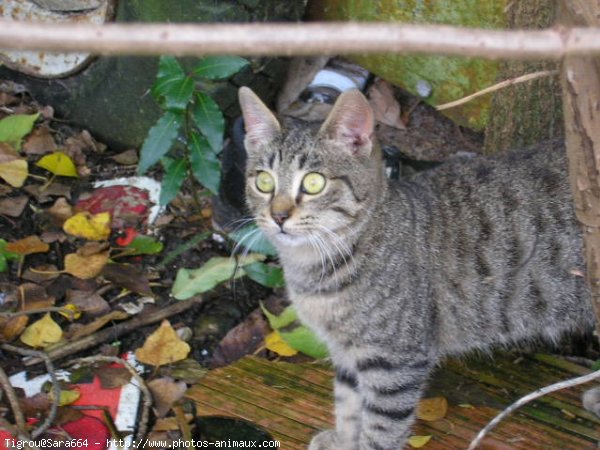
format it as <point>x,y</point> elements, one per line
<point>530,112</point>
<point>581,93</point>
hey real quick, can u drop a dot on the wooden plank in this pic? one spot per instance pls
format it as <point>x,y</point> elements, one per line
<point>293,401</point>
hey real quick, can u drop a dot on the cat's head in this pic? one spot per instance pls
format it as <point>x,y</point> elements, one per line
<point>306,188</point>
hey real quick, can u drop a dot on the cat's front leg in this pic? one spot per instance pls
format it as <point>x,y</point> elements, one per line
<point>390,391</point>
<point>347,415</point>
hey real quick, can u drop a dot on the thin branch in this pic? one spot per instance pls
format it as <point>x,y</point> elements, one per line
<point>529,397</point>
<point>298,39</point>
<point>147,403</point>
<point>497,87</point>
<point>55,385</point>
<point>13,401</point>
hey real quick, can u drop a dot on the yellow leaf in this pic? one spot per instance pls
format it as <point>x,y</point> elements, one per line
<point>418,441</point>
<point>85,267</point>
<point>162,347</point>
<point>67,397</point>
<point>72,312</point>
<point>58,163</point>
<point>14,172</point>
<point>27,246</point>
<point>95,227</point>
<point>275,343</point>
<point>42,333</point>
<point>432,409</point>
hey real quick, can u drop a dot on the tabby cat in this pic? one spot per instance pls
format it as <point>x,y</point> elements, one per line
<point>395,275</point>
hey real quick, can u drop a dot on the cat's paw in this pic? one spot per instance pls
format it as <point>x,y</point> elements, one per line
<point>591,400</point>
<point>328,440</point>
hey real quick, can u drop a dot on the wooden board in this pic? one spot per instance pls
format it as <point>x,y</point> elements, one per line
<point>294,401</point>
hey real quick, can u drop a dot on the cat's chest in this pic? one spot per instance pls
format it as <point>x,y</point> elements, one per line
<point>324,313</point>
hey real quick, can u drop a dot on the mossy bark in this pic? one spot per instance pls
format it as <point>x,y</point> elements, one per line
<point>529,112</point>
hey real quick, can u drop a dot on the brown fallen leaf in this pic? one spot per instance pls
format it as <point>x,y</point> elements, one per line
<point>28,245</point>
<point>88,302</point>
<point>56,189</point>
<point>7,153</point>
<point>385,106</point>
<point>432,409</point>
<point>91,248</point>
<point>12,328</point>
<point>165,392</point>
<point>40,274</point>
<point>85,267</point>
<point>128,277</point>
<point>187,370</point>
<point>126,158</point>
<point>34,296</point>
<point>13,206</point>
<point>80,331</point>
<point>39,142</point>
<point>162,347</point>
<point>61,210</point>
<point>113,377</point>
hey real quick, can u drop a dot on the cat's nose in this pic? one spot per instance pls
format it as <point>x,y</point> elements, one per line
<point>280,217</point>
<point>281,209</point>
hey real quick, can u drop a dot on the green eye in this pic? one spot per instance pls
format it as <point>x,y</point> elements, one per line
<point>313,183</point>
<point>265,182</point>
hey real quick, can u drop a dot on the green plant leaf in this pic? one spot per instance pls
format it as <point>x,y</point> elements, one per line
<point>159,140</point>
<point>190,282</point>
<point>305,341</point>
<point>209,119</point>
<point>252,238</point>
<point>172,84</point>
<point>144,245</point>
<point>16,127</point>
<point>6,256</point>
<point>287,317</point>
<point>206,168</point>
<point>175,173</point>
<point>218,67</point>
<point>265,274</point>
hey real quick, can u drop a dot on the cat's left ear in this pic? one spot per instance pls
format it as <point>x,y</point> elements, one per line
<point>260,123</point>
<point>351,121</point>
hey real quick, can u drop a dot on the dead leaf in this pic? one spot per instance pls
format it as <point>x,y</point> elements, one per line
<point>67,396</point>
<point>432,409</point>
<point>275,343</point>
<point>384,104</point>
<point>113,377</point>
<point>162,347</point>
<point>128,277</point>
<point>61,210</point>
<point>41,273</point>
<point>58,163</point>
<point>85,267</point>
<point>92,327</point>
<point>13,206</point>
<point>13,327</point>
<point>42,333</point>
<point>91,248</point>
<point>54,190</point>
<point>39,142</point>
<point>14,172</point>
<point>136,306</point>
<point>36,404</point>
<point>165,392</point>
<point>7,153</point>
<point>418,441</point>
<point>188,370</point>
<point>126,158</point>
<point>90,303</point>
<point>28,245</point>
<point>243,339</point>
<point>34,296</point>
<point>95,227</point>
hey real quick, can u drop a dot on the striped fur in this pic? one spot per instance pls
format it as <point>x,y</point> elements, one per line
<point>396,275</point>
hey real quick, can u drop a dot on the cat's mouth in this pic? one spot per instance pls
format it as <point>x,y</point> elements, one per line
<point>286,238</point>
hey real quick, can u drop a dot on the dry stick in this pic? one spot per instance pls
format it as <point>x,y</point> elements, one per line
<point>496,87</point>
<point>529,397</point>
<point>147,404</point>
<point>314,38</point>
<point>55,385</point>
<point>117,330</point>
<point>13,400</point>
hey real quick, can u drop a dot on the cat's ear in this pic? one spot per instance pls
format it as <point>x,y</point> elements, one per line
<point>351,121</point>
<point>260,123</point>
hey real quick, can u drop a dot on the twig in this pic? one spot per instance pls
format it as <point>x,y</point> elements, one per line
<point>13,400</point>
<point>147,403</point>
<point>117,330</point>
<point>58,309</point>
<point>55,385</point>
<point>529,397</point>
<point>496,87</point>
<point>315,38</point>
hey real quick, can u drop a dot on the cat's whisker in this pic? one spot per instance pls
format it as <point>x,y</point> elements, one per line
<point>325,247</point>
<point>314,244</point>
<point>342,247</point>
<point>240,244</point>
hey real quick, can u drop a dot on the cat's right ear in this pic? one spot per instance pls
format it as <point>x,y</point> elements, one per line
<point>260,123</point>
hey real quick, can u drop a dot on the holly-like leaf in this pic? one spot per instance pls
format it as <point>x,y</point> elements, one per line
<point>209,119</point>
<point>190,282</point>
<point>58,163</point>
<point>42,333</point>
<point>219,67</point>
<point>265,274</point>
<point>162,347</point>
<point>175,171</point>
<point>206,168</point>
<point>14,128</point>
<point>159,140</point>
<point>14,172</point>
<point>172,84</point>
